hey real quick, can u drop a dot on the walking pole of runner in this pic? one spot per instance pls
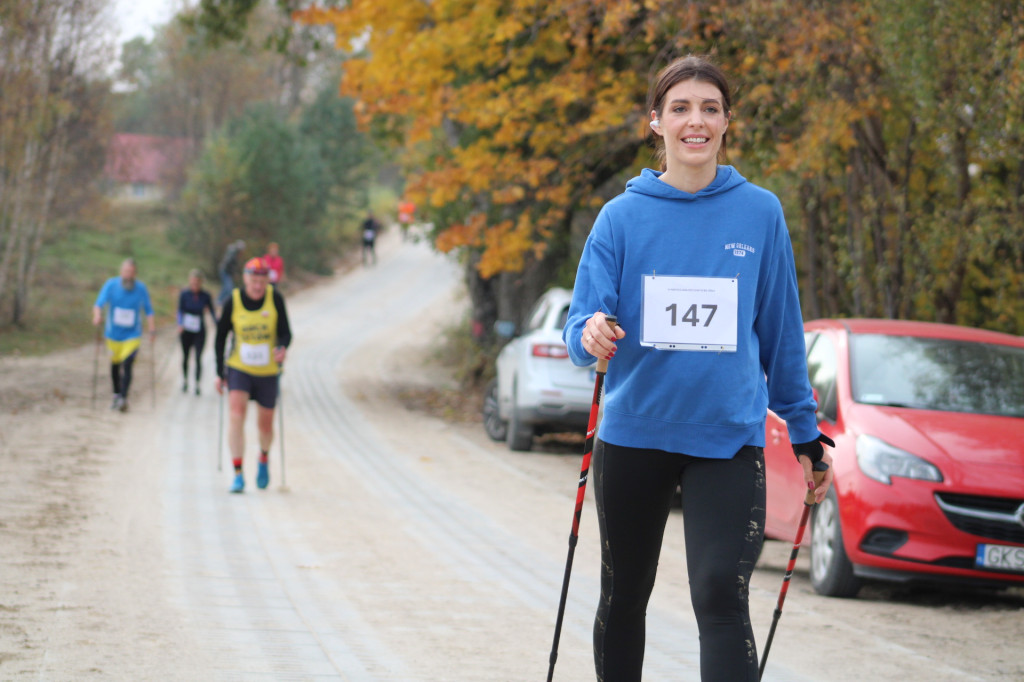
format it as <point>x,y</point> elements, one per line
<point>280,423</point>
<point>819,473</point>
<point>96,364</point>
<point>152,367</point>
<point>220,425</point>
<point>588,449</point>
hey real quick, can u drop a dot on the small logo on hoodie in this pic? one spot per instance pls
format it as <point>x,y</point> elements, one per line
<point>739,249</point>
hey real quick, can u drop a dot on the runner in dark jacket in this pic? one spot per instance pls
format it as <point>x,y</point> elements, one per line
<point>192,302</point>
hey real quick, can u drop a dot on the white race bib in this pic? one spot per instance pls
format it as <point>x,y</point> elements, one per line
<point>123,317</point>
<point>254,354</point>
<point>690,313</point>
<point>191,323</point>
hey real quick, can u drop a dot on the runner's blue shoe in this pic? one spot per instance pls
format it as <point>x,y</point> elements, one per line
<point>262,476</point>
<point>239,484</point>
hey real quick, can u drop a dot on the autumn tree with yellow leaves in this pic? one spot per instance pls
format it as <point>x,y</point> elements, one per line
<point>894,133</point>
<point>891,132</point>
<point>510,117</point>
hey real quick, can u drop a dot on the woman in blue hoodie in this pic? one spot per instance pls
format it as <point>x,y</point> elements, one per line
<point>696,264</point>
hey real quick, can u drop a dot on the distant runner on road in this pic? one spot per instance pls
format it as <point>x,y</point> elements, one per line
<point>275,263</point>
<point>371,228</point>
<point>226,270</point>
<point>406,213</point>
<point>192,303</point>
<point>255,315</point>
<point>126,300</point>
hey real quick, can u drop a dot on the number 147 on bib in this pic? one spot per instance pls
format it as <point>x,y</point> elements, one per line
<point>690,313</point>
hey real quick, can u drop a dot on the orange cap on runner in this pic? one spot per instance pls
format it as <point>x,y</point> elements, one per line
<point>256,266</point>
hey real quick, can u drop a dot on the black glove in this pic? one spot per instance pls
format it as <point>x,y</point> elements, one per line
<point>813,449</point>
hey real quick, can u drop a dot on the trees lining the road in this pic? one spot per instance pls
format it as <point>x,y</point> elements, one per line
<point>892,133</point>
<point>52,124</point>
<point>276,152</point>
<point>278,156</point>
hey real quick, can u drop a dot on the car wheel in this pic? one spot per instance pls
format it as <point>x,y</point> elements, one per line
<point>494,425</point>
<point>520,435</point>
<point>831,570</point>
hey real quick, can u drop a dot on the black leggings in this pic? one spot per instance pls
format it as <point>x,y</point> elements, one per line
<point>723,520</point>
<point>190,340</point>
<point>121,375</point>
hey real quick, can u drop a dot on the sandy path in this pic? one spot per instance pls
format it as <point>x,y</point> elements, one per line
<point>403,547</point>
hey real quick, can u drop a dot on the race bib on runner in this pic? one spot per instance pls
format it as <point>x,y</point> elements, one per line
<point>191,323</point>
<point>254,354</point>
<point>123,317</point>
<point>690,313</point>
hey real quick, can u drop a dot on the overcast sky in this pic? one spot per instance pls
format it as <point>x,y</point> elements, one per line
<point>137,17</point>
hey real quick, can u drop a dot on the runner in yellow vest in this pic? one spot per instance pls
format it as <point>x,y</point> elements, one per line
<point>256,318</point>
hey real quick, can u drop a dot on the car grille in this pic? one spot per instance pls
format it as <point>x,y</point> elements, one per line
<point>995,518</point>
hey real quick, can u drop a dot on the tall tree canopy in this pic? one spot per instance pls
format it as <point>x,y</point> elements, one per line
<point>512,115</point>
<point>892,132</point>
<point>260,180</point>
<point>52,128</point>
<point>895,135</point>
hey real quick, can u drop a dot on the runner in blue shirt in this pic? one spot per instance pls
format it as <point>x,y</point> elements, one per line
<point>126,300</point>
<point>192,303</point>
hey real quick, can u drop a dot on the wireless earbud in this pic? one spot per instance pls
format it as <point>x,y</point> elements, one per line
<point>655,125</point>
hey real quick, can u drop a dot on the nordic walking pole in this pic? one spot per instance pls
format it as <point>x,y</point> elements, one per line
<point>588,449</point>
<point>152,366</point>
<point>96,364</point>
<point>220,424</point>
<point>280,422</point>
<point>819,473</point>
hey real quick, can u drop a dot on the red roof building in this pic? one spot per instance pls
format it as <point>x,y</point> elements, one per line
<point>144,166</point>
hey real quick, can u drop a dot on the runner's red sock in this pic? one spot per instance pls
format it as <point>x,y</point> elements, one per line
<point>238,465</point>
<point>263,456</point>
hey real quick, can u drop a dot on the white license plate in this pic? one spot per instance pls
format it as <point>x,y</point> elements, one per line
<point>1000,557</point>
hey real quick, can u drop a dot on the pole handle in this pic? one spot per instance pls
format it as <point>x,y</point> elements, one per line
<point>613,322</point>
<point>819,474</point>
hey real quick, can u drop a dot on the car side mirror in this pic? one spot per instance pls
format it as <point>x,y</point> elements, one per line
<point>505,329</point>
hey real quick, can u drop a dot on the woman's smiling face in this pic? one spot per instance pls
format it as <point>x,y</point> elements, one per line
<point>692,123</point>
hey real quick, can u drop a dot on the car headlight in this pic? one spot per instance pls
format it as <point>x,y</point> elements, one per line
<point>881,461</point>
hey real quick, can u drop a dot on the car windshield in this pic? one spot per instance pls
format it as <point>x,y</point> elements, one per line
<point>937,374</point>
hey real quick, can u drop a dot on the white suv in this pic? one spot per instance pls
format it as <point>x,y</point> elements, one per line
<point>538,390</point>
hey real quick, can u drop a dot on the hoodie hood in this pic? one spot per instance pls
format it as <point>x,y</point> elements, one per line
<point>649,182</point>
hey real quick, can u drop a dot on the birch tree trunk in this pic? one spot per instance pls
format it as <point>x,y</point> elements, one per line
<point>49,47</point>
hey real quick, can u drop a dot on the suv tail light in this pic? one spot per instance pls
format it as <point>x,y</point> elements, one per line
<point>549,350</point>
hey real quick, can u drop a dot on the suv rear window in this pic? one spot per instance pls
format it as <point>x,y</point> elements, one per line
<point>563,316</point>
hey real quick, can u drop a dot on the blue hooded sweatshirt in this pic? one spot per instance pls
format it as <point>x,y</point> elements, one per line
<point>700,403</point>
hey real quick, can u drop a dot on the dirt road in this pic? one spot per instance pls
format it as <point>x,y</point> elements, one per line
<point>391,544</point>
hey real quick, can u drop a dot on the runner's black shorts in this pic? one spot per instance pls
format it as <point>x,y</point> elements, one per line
<point>261,389</point>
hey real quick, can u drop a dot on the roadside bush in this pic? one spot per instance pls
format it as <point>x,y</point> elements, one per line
<point>261,181</point>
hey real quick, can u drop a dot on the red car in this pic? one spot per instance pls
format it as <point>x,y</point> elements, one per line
<point>928,421</point>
